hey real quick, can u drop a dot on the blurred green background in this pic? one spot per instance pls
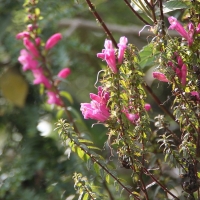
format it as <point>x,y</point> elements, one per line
<point>33,163</point>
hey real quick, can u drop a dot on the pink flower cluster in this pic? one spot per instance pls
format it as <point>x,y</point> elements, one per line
<point>188,35</point>
<point>97,109</point>
<point>108,54</point>
<point>180,69</point>
<point>30,59</point>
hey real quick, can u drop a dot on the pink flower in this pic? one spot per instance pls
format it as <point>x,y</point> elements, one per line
<point>160,76</point>
<point>40,78</point>
<point>122,46</point>
<point>133,118</point>
<point>108,54</point>
<point>198,29</point>
<point>27,61</point>
<point>183,74</point>
<point>22,35</point>
<point>97,109</point>
<point>53,98</point>
<point>37,41</point>
<point>191,31</point>
<point>31,47</point>
<point>64,73</point>
<point>147,107</point>
<point>175,25</point>
<point>195,94</point>
<point>53,40</point>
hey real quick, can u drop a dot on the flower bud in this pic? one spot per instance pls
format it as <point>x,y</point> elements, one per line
<point>53,40</point>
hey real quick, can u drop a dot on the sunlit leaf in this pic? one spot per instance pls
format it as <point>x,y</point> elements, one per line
<point>67,95</point>
<point>14,87</point>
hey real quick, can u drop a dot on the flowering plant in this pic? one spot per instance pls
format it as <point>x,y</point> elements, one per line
<point>141,141</point>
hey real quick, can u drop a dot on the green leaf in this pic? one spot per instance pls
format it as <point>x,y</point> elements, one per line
<point>147,58</point>
<point>85,141</point>
<point>174,5</point>
<point>14,86</point>
<point>67,95</point>
<point>93,147</point>
<point>108,178</point>
<point>80,153</point>
<point>37,11</point>
<point>86,196</point>
<point>96,168</point>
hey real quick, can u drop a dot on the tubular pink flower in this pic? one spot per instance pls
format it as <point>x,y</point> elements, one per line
<point>37,41</point>
<point>195,94</point>
<point>53,98</point>
<point>31,47</point>
<point>27,61</point>
<point>97,109</point>
<point>133,118</point>
<point>122,46</point>
<point>64,73</point>
<point>160,76</point>
<point>198,29</point>
<point>175,25</point>
<point>183,74</point>
<point>108,54</point>
<point>191,31</point>
<point>147,107</point>
<point>22,35</point>
<point>40,78</point>
<point>53,40</point>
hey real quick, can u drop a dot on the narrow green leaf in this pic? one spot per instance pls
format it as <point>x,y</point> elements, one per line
<point>86,196</point>
<point>96,168</point>
<point>108,178</point>
<point>67,95</point>
<point>102,174</point>
<point>85,141</point>
<point>80,153</point>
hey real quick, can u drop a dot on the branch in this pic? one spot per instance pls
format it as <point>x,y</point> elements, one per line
<point>73,24</point>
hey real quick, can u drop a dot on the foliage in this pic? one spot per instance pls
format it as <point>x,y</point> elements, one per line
<point>135,150</point>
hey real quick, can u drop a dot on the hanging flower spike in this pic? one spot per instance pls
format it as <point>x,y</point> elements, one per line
<point>53,40</point>
<point>108,54</point>
<point>40,78</point>
<point>64,73</point>
<point>160,76</point>
<point>183,74</point>
<point>27,61</point>
<point>147,107</point>
<point>122,46</point>
<point>175,25</point>
<point>53,98</point>
<point>97,109</point>
<point>31,47</point>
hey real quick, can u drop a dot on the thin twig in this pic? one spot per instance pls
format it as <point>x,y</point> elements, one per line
<point>160,184</point>
<point>93,10</point>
